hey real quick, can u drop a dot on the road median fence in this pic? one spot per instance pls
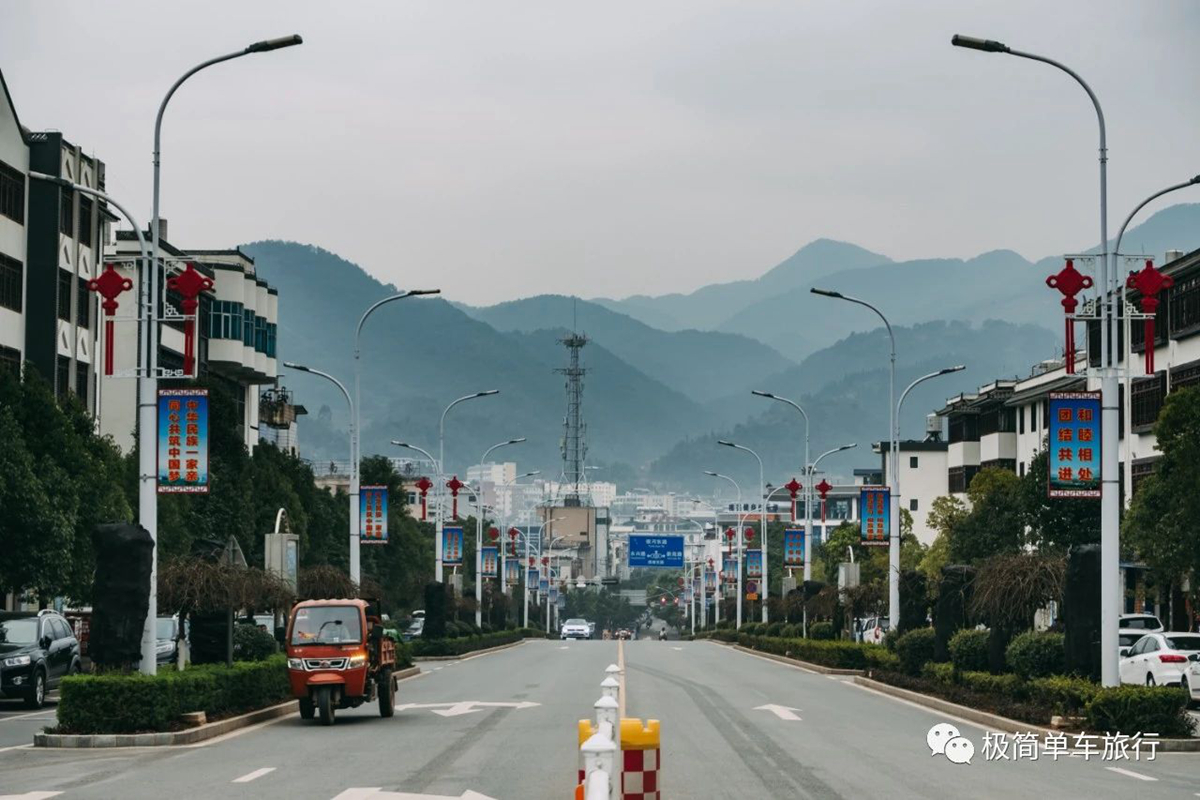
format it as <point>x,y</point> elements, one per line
<point>117,703</point>
<point>619,758</point>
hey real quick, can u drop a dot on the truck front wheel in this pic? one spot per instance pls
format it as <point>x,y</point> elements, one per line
<point>387,693</point>
<point>325,705</point>
<point>307,708</point>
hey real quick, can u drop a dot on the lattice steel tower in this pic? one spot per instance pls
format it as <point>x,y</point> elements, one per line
<point>574,441</point>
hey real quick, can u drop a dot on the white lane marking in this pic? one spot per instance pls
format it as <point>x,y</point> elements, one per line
<point>1130,773</point>
<point>30,714</point>
<point>783,712</point>
<point>258,773</point>
<point>30,796</point>
<point>676,648</point>
<point>464,707</point>
<point>379,794</point>
<point>16,747</point>
<point>564,647</point>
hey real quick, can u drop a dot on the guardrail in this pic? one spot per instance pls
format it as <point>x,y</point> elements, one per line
<point>600,775</point>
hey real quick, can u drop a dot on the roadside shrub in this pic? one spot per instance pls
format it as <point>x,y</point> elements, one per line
<point>1145,709</point>
<point>791,631</point>
<point>942,673</point>
<point>880,658</point>
<point>914,649</point>
<point>969,650</point>
<point>424,648</point>
<point>775,629</point>
<point>251,643</point>
<point>116,703</point>
<point>1007,684</point>
<point>1062,694</point>
<point>1036,655</point>
<point>821,630</point>
<point>889,639</point>
<point>830,653</point>
<point>723,624</point>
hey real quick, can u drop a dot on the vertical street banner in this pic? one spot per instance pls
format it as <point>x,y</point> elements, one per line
<point>543,586</point>
<point>698,585</point>
<point>753,564</point>
<point>710,581</point>
<point>687,593</point>
<point>729,571</point>
<point>452,545</point>
<point>512,572</point>
<point>1074,441</point>
<point>183,441</point>
<point>489,556</point>
<point>793,547</point>
<point>531,578</point>
<point>562,601</point>
<point>553,593</point>
<point>372,514</point>
<point>873,510</point>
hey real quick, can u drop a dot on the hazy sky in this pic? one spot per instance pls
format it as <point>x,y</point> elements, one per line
<point>500,149</point>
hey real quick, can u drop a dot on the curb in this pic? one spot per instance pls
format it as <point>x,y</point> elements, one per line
<point>995,721</point>
<point>808,665</point>
<point>471,654</point>
<point>177,738</point>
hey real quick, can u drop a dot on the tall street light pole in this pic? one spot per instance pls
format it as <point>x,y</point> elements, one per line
<point>356,424</point>
<point>147,409</point>
<point>811,477</point>
<point>807,483</point>
<point>441,483</point>
<point>762,493</point>
<point>354,510</point>
<point>549,579</point>
<point>893,484</point>
<point>479,531</point>
<point>503,547</point>
<point>738,623</point>
<point>541,528</point>
<point>1110,503</point>
<point>1128,464</point>
<point>148,382</point>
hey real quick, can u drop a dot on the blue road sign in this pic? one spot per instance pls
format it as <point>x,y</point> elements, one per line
<point>655,550</point>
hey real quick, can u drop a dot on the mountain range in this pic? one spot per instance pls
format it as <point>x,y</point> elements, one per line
<point>669,374</point>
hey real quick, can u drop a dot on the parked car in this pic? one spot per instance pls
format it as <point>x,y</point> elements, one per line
<point>1159,659</point>
<point>575,629</point>
<point>1142,622</point>
<point>1191,680</point>
<point>167,634</point>
<point>37,650</point>
<point>1127,638</point>
<point>591,630</point>
<point>873,630</point>
<point>414,630</point>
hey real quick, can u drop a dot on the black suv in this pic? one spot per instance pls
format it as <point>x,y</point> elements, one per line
<point>36,650</point>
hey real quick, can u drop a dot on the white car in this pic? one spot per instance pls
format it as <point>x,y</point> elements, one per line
<point>1141,622</point>
<point>1191,680</point>
<point>576,629</point>
<point>1160,659</point>
<point>873,630</point>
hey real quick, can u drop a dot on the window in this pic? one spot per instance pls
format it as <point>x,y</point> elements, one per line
<point>1021,469</point>
<point>1033,420</point>
<point>81,380</point>
<point>1020,420</point>
<point>62,377</point>
<point>248,327</point>
<point>66,212</point>
<point>65,290</point>
<point>260,334</point>
<point>1185,375</point>
<point>912,504</point>
<point>912,462</point>
<point>85,221</point>
<point>1184,302</point>
<point>271,331</point>
<point>959,478</point>
<point>12,193</point>
<point>84,305</point>
<point>1147,396</point>
<point>10,358</point>
<point>964,428</point>
<point>225,320</point>
<point>61,631</point>
<point>12,278</point>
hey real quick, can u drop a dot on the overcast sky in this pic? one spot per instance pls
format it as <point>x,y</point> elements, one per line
<point>501,149</point>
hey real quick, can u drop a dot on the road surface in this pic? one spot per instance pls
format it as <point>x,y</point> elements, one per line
<point>734,726</point>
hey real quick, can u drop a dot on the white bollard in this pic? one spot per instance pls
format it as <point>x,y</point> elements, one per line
<point>612,670</point>
<point>599,757</point>
<point>611,687</point>
<point>606,711</point>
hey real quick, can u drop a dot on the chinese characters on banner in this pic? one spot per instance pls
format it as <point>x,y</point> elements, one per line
<point>183,440</point>
<point>754,563</point>
<point>554,593</point>
<point>1074,442</point>
<point>512,572</point>
<point>489,555</point>
<point>873,508</point>
<point>531,578</point>
<point>452,545</point>
<point>793,547</point>
<point>730,570</point>
<point>710,581</point>
<point>372,514</point>
<point>543,586</point>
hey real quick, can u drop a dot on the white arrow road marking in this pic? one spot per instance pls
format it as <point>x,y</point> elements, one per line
<point>464,707</point>
<point>564,647</point>
<point>783,712</point>
<point>1130,773</point>
<point>379,794</point>
<point>258,773</point>
<point>676,648</point>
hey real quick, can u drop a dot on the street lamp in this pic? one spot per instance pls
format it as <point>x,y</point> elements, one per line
<point>479,531</point>
<point>441,484</point>
<point>550,571</point>
<point>893,482</point>
<point>356,423</point>
<point>504,549</point>
<point>807,483</point>
<point>541,528</point>
<point>1127,355</point>
<point>1110,505</point>
<point>811,476</point>
<point>738,624</point>
<point>762,491</point>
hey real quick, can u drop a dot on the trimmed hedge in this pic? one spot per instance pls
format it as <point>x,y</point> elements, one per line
<point>423,648</point>
<point>117,703</point>
<point>914,649</point>
<point>251,643</point>
<point>1148,709</point>
<point>832,653</point>
<point>969,650</point>
<point>821,630</point>
<point>1036,655</point>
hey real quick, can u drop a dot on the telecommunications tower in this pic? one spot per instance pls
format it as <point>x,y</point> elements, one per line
<point>573,483</point>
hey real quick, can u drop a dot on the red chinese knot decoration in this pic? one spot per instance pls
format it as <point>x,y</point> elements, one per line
<point>1148,283</point>
<point>423,486</point>
<point>189,284</point>
<point>1070,282</point>
<point>109,285</point>
<point>823,488</point>
<point>749,535</point>
<point>493,534</point>
<point>793,486</point>
<point>454,484</point>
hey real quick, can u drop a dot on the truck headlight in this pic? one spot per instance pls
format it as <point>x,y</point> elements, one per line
<point>296,663</point>
<point>357,660</point>
<point>16,661</point>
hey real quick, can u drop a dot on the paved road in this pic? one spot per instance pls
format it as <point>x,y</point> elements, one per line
<point>18,724</point>
<point>846,741</point>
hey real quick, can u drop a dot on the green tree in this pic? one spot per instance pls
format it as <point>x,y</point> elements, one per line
<point>1055,524</point>
<point>945,513</point>
<point>994,525</point>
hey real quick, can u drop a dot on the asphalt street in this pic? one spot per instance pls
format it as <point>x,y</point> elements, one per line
<point>818,737</point>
